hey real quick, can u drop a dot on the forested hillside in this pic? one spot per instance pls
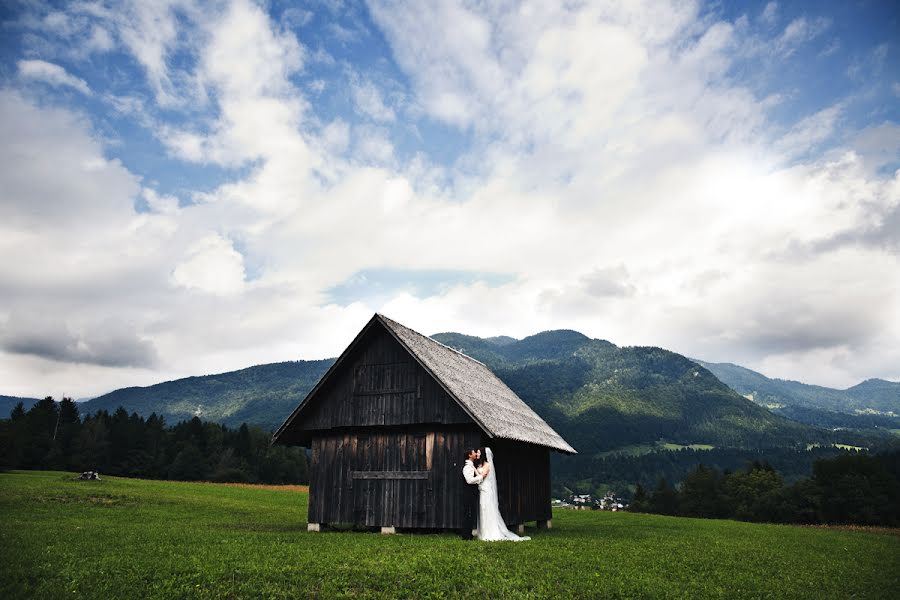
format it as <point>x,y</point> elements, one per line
<point>870,404</point>
<point>637,414</point>
<point>8,403</point>
<point>601,397</point>
<point>263,395</point>
<point>611,403</point>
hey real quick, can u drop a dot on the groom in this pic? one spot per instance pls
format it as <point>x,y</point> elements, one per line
<point>470,494</point>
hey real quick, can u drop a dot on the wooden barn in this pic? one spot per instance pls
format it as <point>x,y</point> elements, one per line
<point>389,424</point>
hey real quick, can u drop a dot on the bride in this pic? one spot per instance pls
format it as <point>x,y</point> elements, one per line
<point>491,527</point>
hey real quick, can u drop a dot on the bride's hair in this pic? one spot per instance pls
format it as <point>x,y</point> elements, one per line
<point>483,458</point>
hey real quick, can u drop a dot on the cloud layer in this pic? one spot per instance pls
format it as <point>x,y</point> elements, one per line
<point>627,171</point>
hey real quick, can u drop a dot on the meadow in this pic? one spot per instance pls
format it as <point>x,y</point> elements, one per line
<point>129,538</point>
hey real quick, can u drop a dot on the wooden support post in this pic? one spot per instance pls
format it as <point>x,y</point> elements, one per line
<point>314,527</point>
<point>548,524</point>
<point>388,530</point>
<point>520,528</point>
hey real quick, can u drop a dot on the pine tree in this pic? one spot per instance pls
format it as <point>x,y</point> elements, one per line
<point>18,412</point>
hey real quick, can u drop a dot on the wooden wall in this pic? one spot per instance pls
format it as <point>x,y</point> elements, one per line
<point>413,479</point>
<point>384,477</point>
<point>380,384</point>
<point>523,480</point>
<point>388,447</point>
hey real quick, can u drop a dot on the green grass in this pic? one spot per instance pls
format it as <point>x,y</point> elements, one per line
<point>658,446</point>
<point>839,446</point>
<point>123,538</point>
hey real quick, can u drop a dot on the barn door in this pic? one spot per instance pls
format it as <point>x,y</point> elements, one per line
<point>362,488</point>
<point>391,481</point>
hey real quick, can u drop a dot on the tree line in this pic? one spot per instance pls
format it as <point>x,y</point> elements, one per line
<point>52,435</point>
<point>620,472</point>
<point>854,488</point>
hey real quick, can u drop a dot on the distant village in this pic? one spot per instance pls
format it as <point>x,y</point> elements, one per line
<point>587,502</point>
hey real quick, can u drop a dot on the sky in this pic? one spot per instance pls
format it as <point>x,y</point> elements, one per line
<point>194,187</point>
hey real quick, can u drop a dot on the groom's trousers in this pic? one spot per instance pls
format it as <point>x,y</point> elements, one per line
<point>469,506</point>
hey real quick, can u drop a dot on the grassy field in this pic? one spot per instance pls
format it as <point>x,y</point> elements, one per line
<point>641,449</point>
<point>124,538</point>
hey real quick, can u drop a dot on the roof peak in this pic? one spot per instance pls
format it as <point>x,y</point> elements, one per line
<point>429,338</point>
<point>487,400</point>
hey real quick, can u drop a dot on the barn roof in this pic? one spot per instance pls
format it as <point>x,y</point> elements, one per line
<point>491,404</point>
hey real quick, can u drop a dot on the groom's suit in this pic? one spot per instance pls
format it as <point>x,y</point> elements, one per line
<point>469,500</point>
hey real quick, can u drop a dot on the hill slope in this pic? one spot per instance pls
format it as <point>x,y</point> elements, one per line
<point>262,395</point>
<point>601,397</point>
<point>598,396</point>
<point>8,403</point>
<point>872,403</point>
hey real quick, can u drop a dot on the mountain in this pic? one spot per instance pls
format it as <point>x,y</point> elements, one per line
<point>8,403</point>
<point>601,397</point>
<point>877,394</point>
<point>635,414</point>
<point>872,403</point>
<point>262,395</point>
<point>501,340</point>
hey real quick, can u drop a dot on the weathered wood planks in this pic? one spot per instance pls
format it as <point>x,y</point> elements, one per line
<point>388,447</point>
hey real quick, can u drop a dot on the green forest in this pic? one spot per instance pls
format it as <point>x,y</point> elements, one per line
<point>52,435</point>
<point>635,415</point>
<point>852,488</point>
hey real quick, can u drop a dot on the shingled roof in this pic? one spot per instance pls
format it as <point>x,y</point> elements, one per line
<point>491,404</point>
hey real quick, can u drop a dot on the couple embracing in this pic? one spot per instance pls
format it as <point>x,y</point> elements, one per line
<point>480,502</point>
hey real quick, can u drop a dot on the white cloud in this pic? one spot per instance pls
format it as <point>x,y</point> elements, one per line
<point>100,40</point>
<point>373,144</point>
<point>368,100</point>
<point>212,265</point>
<point>769,13</point>
<point>56,174</point>
<point>454,74</point>
<point>107,343</point>
<point>878,145</point>
<point>52,74</point>
<point>811,131</point>
<point>336,136</point>
<point>800,31</point>
<point>619,176</point>
<point>161,204</point>
<point>149,31</point>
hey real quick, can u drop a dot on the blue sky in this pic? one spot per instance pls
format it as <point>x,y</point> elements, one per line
<point>197,186</point>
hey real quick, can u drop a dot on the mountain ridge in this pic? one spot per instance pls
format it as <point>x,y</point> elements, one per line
<point>872,396</point>
<point>8,403</point>
<point>603,396</point>
<point>258,395</point>
<point>600,395</point>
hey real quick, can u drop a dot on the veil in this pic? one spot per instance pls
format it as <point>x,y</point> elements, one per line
<point>491,526</point>
<point>492,475</point>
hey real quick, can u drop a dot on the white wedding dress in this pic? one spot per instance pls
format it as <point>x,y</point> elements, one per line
<point>491,527</point>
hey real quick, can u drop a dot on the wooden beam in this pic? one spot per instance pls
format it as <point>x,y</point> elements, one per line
<point>390,474</point>
<point>385,392</point>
